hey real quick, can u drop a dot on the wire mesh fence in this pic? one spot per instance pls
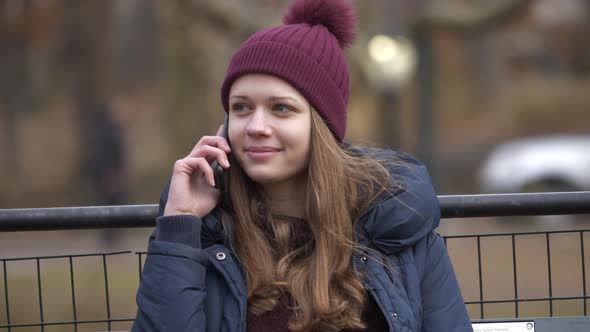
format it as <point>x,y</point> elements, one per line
<point>37,303</point>
<point>502,275</point>
<point>529,273</point>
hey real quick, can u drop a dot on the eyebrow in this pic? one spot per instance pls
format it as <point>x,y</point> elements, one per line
<point>273,98</point>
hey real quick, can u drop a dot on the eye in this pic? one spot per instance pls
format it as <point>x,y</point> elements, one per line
<point>239,107</point>
<point>282,108</point>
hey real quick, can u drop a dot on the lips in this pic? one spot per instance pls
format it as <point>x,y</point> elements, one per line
<point>261,153</point>
<point>259,149</point>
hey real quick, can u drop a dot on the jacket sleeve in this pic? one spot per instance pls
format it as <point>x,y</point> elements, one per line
<point>443,308</point>
<point>171,294</point>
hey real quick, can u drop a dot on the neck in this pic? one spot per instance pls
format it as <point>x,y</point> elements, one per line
<point>288,197</point>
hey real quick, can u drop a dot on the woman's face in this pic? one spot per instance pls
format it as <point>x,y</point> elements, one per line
<point>269,128</point>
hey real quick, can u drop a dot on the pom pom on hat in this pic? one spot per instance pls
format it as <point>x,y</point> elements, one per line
<point>336,15</point>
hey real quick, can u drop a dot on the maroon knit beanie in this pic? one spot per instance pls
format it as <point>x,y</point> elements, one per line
<point>306,52</point>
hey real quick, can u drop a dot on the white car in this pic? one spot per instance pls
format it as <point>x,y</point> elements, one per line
<point>544,163</point>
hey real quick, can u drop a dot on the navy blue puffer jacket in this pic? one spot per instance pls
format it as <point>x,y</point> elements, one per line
<point>192,281</point>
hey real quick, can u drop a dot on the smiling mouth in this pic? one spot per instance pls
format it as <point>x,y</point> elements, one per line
<point>261,153</point>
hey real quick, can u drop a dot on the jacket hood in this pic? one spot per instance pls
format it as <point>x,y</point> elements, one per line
<point>404,215</point>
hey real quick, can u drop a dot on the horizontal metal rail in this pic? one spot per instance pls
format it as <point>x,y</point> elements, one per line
<point>87,217</point>
<point>451,206</point>
<point>519,204</point>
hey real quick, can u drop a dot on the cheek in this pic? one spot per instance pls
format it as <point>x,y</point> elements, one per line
<point>232,132</point>
<point>236,135</point>
<point>236,141</point>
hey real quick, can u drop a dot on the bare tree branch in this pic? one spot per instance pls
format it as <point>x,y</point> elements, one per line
<point>461,16</point>
<point>233,16</point>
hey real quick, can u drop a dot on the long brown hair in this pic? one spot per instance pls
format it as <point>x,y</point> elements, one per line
<point>318,276</point>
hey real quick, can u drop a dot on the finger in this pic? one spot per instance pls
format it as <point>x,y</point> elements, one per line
<point>216,141</point>
<point>202,165</point>
<point>211,153</point>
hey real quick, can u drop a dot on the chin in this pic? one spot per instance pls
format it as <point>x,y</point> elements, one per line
<point>264,177</point>
<point>271,173</point>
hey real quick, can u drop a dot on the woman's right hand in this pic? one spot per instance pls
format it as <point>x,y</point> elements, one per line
<point>192,188</point>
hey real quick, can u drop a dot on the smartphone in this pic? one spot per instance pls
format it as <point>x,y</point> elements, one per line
<point>218,170</point>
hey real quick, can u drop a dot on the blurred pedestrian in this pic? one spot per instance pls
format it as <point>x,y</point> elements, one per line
<point>107,167</point>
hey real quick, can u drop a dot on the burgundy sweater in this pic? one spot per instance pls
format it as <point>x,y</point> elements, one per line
<point>277,320</point>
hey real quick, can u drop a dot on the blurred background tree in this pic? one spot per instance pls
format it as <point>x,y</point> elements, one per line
<point>98,98</point>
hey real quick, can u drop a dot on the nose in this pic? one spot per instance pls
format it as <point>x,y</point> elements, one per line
<point>258,125</point>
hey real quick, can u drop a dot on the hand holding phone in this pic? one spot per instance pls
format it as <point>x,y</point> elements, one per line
<point>192,187</point>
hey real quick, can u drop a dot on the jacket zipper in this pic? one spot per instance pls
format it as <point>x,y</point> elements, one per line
<point>354,264</point>
<point>230,241</point>
<point>230,236</point>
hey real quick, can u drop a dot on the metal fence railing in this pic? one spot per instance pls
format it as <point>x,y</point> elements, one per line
<point>452,206</point>
<point>476,257</point>
<point>75,322</point>
<point>544,260</point>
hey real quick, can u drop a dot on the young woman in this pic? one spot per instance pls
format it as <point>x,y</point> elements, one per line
<point>314,234</point>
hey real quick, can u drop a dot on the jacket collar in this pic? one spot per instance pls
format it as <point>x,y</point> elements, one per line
<point>401,217</point>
